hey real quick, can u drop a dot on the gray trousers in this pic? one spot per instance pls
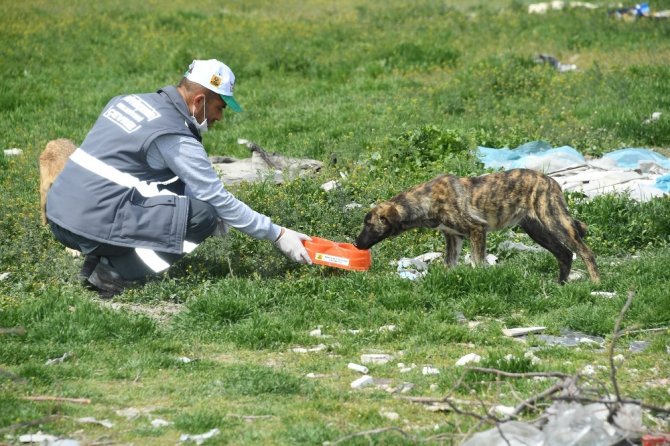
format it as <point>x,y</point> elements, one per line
<point>202,222</point>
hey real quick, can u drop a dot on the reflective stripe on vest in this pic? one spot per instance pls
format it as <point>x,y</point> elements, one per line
<point>147,189</point>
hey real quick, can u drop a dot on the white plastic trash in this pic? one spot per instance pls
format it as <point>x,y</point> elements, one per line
<point>363,381</point>
<point>357,368</point>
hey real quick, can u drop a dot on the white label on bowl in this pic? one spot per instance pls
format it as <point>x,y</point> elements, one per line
<point>332,259</point>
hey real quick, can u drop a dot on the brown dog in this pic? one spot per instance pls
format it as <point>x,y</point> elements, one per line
<point>469,207</point>
<point>52,161</point>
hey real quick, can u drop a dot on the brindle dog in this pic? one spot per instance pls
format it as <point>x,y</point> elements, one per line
<point>470,207</point>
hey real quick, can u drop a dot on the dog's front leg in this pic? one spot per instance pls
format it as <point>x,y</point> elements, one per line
<point>454,246</point>
<point>478,245</point>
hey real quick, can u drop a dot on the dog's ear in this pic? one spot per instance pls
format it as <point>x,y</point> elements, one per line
<point>392,220</point>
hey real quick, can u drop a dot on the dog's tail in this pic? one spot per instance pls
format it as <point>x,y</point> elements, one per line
<point>580,227</point>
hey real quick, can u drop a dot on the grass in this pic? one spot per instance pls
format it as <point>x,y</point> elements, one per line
<point>395,93</point>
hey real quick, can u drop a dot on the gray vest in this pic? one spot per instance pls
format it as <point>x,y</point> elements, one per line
<point>87,201</point>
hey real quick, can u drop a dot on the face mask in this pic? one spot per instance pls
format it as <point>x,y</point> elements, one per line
<point>201,126</point>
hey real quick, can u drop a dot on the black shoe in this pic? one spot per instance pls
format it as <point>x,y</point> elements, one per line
<point>108,282</point>
<point>90,262</point>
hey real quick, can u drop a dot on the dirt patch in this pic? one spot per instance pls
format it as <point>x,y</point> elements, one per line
<point>160,312</point>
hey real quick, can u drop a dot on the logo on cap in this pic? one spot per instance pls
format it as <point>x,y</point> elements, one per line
<point>215,80</point>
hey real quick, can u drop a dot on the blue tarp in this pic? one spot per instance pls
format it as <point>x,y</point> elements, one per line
<point>631,158</point>
<point>527,155</point>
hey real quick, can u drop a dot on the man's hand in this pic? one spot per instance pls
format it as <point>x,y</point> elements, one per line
<point>290,244</point>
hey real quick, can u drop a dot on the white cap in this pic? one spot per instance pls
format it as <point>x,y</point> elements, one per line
<point>215,76</point>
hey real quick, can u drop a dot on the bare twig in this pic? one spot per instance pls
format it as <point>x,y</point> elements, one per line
<point>258,149</point>
<point>647,330</point>
<point>57,398</point>
<point>615,336</point>
<point>23,424</point>
<point>530,402</point>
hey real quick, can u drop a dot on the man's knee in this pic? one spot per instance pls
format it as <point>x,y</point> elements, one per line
<point>202,220</point>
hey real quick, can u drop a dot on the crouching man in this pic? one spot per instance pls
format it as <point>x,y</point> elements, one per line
<point>140,192</point>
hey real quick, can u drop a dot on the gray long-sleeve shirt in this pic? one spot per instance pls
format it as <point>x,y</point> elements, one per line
<point>187,158</point>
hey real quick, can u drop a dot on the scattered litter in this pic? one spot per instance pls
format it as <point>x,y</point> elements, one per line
<point>39,437</point>
<point>330,185</point>
<point>91,420</point>
<point>313,375</point>
<point>199,439</point>
<point>13,152</point>
<point>416,267</point>
<point>58,360</point>
<point>467,359</point>
<point>387,328</point>
<point>185,359</point>
<point>261,165</point>
<point>3,276</point>
<point>522,331</point>
<point>654,117</point>
<point>404,369</point>
<point>504,410</point>
<point>429,256</point>
<point>316,333</point>
<point>490,259</point>
<point>571,339</point>
<point>352,206</point>
<point>402,388</point>
<point>159,422</point>
<point>358,368</point>
<point>316,348</point>
<point>607,294</point>
<point>631,170</point>
<point>558,65</point>
<point>588,370</point>
<point>573,423</point>
<point>428,370</point>
<point>389,415</point>
<point>542,8</point>
<point>639,10</point>
<point>619,358</point>
<point>569,423</point>
<point>375,358</point>
<point>412,269</point>
<point>575,275</point>
<point>363,381</point>
<point>509,245</point>
<point>639,346</point>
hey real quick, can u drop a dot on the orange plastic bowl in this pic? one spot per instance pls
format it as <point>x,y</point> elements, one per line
<point>338,255</point>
